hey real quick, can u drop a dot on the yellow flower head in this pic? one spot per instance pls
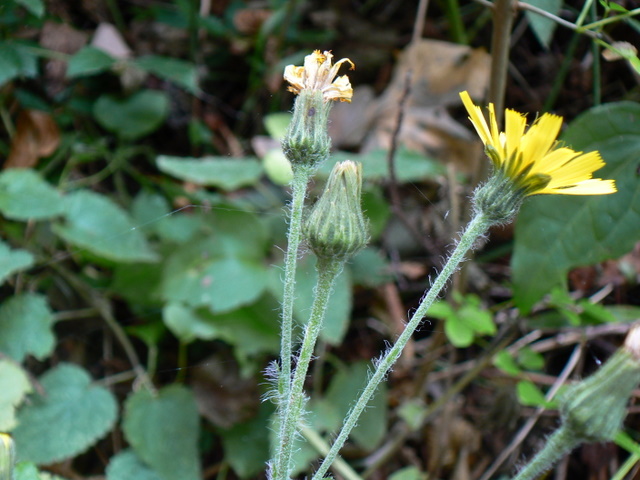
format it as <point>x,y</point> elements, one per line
<point>533,159</point>
<point>318,74</point>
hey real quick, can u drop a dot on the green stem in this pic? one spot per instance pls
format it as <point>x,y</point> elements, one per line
<point>328,271</point>
<point>299,190</point>
<point>557,446</point>
<point>606,21</point>
<point>477,227</point>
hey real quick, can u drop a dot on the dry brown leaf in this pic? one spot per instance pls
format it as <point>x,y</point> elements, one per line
<point>37,135</point>
<point>248,21</point>
<point>108,39</point>
<point>438,71</point>
<point>60,37</point>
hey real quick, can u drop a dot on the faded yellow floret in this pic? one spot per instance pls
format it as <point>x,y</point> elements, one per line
<point>318,73</point>
<point>529,153</point>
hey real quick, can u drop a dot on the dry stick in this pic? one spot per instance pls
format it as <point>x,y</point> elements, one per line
<point>526,428</point>
<point>104,309</point>
<point>393,181</point>
<point>418,26</point>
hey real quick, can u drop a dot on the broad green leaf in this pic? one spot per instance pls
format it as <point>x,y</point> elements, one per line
<point>12,261</point>
<point>96,223</point>
<point>459,333</point>
<point>338,313</point>
<point>277,167</point>
<point>89,61</point>
<point>186,324</point>
<point>220,283</point>
<point>531,396</point>
<point>180,72</point>
<point>14,385</point>
<point>36,7</point>
<point>370,268</point>
<point>246,445</point>
<point>16,61</point>
<point>277,124</point>
<point>26,327</point>
<point>70,417</point>
<point>252,330</point>
<point>343,391</point>
<point>530,359</point>
<point>163,430</point>
<point>222,172</point>
<point>543,27</point>
<point>152,214</point>
<point>413,412</point>
<point>505,362</point>
<point>138,283</point>
<point>24,195</point>
<point>132,117</point>
<point>224,270</point>
<point>555,233</point>
<point>126,465</point>
<point>410,166</point>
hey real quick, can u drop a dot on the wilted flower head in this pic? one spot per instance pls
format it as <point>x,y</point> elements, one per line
<point>318,74</point>
<point>533,158</point>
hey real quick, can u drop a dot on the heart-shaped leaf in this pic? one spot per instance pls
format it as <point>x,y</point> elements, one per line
<point>163,431</point>
<point>26,327</point>
<point>70,417</point>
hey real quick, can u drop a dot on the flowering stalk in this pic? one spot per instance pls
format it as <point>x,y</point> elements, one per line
<point>477,227</point>
<point>306,145</point>
<point>524,164</point>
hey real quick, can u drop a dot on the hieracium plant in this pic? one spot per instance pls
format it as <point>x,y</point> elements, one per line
<point>526,161</point>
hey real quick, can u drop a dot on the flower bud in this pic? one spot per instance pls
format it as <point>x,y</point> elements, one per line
<point>593,410</point>
<point>336,227</point>
<point>307,142</point>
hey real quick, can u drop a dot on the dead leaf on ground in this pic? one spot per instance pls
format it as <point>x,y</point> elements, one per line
<point>37,135</point>
<point>62,38</point>
<point>438,72</point>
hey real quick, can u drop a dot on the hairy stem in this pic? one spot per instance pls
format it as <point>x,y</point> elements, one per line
<point>477,227</point>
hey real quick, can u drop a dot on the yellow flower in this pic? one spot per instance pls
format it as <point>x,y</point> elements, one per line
<point>318,74</point>
<point>533,158</point>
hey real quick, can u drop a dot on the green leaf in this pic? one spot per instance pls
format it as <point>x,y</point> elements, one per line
<point>246,445</point>
<point>36,7</point>
<point>16,61</point>
<point>222,172</point>
<point>370,268</point>
<point>277,167</point>
<point>530,359</point>
<point>276,124</point>
<point>346,386</point>
<point>14,385</point>
<point>96,223</point>
<point>459,333</point>
<point>89,61</point>
<point>531,396</point>
<point>543,27</point>
<point>26,327</point>
<point>12,261</point>
<point>24,195</point>
<point>338,314</point>
<point>555,233</point>
<point>126,465</point>
<point>410,166</point>
<point>70,417</point>
<point>224,270</point>
<point>180,72</point>
<point>132,117</point>
<point>185,324</point>
<point>163,430</point>
<point>505,362</point>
